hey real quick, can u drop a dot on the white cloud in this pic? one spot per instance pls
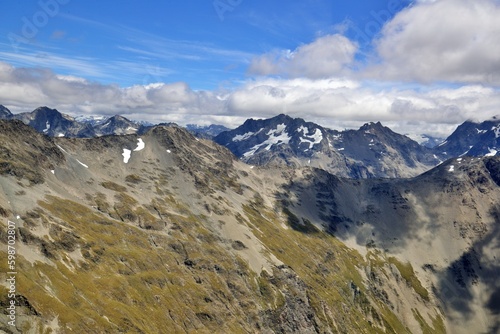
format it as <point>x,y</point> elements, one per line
<point>24,89</point>
<point>325,57</point>
<point>444,40</point>
<point>335,103</point>
<point>78,65</point>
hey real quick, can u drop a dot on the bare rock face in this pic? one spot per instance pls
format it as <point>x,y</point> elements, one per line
<point>295,315</point>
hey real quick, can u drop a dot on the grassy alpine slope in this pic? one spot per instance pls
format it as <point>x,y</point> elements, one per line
<point>184,238</point>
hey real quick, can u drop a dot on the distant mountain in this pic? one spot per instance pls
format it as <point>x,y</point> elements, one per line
<point>5,113</point>
<point>55,124</point>
<point>472,139</point>
<point>426,140</point>
<point>206,132</point>
<point>371,151</point>
<point>92,120</point>
<point>117,125</point>
<point>257,137</point>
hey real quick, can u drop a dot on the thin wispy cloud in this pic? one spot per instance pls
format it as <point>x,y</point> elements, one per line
<point>81,66</point>
<point>158,53</point>
<point>160,46</point>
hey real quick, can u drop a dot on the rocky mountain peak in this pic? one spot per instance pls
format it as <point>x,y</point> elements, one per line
<point>370,151</point>
<point>278,140</point>
<point>117,125</point>
<point>472,139</point>
<point>4,112</point>
<point>119,118</point>
<point>373,125</point>
<point>47,112</point>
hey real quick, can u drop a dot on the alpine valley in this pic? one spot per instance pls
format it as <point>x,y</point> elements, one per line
<point>277,226</point>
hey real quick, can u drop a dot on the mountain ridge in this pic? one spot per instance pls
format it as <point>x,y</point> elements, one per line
<point>182,228</point>
<point>371,151</point>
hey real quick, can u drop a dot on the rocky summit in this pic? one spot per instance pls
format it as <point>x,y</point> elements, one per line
<point>55,124</point>
<point>163,232</point>
<point>371,151</point>
<point>472,139</point>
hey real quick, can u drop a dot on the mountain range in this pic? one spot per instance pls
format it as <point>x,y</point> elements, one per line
<point>371,151</point>
<point>55,124</point>
<point>164,232</point>
<point>206,132</point>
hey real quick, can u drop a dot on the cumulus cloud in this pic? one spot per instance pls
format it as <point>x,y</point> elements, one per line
<point>335,103</point>
<point>444,40</point>
<point>24,89</point>
<point>325,57</point>
<point>342,101</point>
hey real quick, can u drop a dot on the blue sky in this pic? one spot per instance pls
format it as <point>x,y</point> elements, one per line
<point>204,43</point>
<point>421,64</point>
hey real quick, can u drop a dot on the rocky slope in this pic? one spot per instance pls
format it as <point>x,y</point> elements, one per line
<point>165,232</point>
<point>444,224</point>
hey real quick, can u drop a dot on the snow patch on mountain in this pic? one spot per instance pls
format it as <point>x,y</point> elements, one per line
<point>443,143</point>
<point>81,163</point>
<point>492,153</point>
<point>140,145</point>
<point>303,129</point>
<point>277,136</point>
<point>313,139</point>
<point>126,155</point>
<point>47,127</point>
<point>244,136</point>
<point>90,119</point>
<point>497,130</point>
<point>62,149</point>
